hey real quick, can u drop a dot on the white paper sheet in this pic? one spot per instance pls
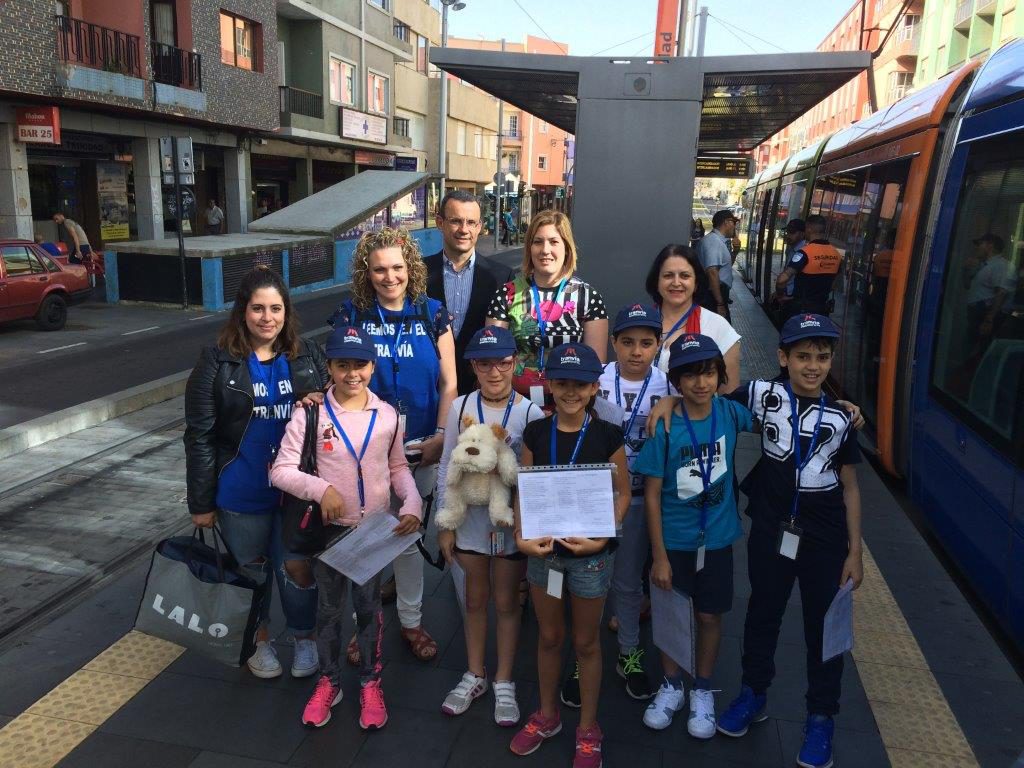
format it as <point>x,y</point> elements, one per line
<point>368,549</point>
<point>567,502</point>
<point>837,637</point>
<point>459,581</point>
<point>672,625</point>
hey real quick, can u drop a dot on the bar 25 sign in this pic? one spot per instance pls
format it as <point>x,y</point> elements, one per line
<point>38,125</point>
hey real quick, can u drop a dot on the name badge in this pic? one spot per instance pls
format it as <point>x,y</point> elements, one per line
<point>537,394</point>
<point>497,543</point>
<point>700,558</point>
<point>789,540</point>
<point>555,579</point>
<point>402,412</point>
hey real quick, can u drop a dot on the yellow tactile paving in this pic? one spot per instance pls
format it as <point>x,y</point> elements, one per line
<point>30,741</point>
<point>88,697</point>
<point>136,655</point>
<point>914,720</point>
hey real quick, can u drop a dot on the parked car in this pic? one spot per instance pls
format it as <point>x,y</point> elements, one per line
<point>34,284</point>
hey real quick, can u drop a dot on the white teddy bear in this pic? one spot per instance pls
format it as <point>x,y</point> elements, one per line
<point>481,470</point>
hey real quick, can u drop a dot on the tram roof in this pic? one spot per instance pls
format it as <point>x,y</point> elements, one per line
<point>1001,78</point>
<point>746,99</point>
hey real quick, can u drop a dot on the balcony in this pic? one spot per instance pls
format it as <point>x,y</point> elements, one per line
<point>99,59</point>
<point>177,67</point>
<point>962,14</point>
<point>295,101</point>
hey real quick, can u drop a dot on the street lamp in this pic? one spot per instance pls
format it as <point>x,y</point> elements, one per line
<point>442,155</point>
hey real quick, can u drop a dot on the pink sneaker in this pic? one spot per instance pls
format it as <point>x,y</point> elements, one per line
<point>588,748</point>
<point>532,735</point>
<point>318,708</point>
<point>372,712</point>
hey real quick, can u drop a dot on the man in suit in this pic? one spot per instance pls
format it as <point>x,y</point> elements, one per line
<point>465,282</point>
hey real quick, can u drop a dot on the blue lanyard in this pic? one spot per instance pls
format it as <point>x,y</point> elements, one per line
<point>705,468</point>
<point>678,325</point>
<point>352,451</point>
<point>579,440</point>
<point>541,322</point>
<point>394,343</point>
<point>628,426</point>
<point>256,368</point>
<point>802,462</point>
<point>508,408</point>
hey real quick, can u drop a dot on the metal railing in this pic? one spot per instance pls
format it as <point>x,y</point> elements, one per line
<point>402,31</point>
<point>79,42</point>
<point>176,66</point>
<point>963,11</point>
<point>299,102</point>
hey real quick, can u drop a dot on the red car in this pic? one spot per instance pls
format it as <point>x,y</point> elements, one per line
<point>34,284</point>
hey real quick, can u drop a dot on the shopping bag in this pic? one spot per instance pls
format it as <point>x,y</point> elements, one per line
<point>302,525</point>
<point>197,596</point>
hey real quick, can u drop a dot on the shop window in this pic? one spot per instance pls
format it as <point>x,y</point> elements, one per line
<point>342,81</point>
<point>239,41</point>
<point>376,93</point>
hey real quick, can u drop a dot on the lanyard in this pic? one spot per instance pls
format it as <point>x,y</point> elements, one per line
<point>579,440</point>
<point>628,426</point>
<point>679,324</point>
<point>541,322</point>
<point>394,343</point>
<point>508,408</point>
<point>705,469</point>
<point>256,368</point>
<point>352,451</point>
<point>802,462</point>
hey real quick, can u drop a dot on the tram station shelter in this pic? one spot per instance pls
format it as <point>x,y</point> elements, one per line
<point>640,124</point>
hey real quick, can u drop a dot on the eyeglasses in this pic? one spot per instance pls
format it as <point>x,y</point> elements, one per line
<point>485,366</point>
<point>458,223</point>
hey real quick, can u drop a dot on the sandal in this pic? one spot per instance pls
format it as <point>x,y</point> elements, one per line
<point>352,653</point>
<point>422,645</point>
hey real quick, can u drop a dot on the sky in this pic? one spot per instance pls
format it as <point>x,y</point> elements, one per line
<point>626,27</point>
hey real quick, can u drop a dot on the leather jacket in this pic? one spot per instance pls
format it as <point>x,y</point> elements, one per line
<point>218,407</point>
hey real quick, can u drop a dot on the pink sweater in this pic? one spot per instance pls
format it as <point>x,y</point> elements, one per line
<point>337,467</point>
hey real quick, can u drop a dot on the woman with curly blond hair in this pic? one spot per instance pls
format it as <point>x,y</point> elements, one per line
<point>415,373</point>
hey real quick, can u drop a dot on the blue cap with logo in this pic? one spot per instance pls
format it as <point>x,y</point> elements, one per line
<point>638,316</point>
<point>347,342</point>
<point>807,326</point>
<point>491,341</point>
<point>573,361</point>
<point>691,348</point>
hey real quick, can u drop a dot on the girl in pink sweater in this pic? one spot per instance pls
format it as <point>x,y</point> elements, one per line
<point>360,461</point>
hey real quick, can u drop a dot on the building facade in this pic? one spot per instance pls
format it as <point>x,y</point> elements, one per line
<point>954,31</point>
<point>108,79</point>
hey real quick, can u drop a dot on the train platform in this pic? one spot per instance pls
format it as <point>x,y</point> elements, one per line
<point>927,684</point>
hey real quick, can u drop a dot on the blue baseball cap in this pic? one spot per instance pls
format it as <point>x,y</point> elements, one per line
<point>573,361</point>
<point>347,342</point>
<point>491,341</point>
<point>691,348</point>
<point>638,316</point>
<point>807,326</point>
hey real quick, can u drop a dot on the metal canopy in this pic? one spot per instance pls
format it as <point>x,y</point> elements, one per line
<point>746,99</point>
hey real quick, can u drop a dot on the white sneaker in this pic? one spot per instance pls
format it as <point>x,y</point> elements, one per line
<point>263,663</point>
<point>461,696</point>
<point>506,708</point>
<point>667,701</point>
<point>702,722</point>
<point>305,660</point>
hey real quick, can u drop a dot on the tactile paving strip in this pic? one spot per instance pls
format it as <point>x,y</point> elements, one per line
<point>30,741</point>
<point>916,724</point>
<point>136,655</point>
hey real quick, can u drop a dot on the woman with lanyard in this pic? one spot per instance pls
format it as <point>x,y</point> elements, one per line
<point>477,545</point>
<point>675,282</point>
<point>415,373</point>
<point>547,304</point>
<point>237,404</point>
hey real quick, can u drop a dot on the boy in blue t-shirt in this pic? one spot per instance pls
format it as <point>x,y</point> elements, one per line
<point>805,526</point>
<point>692,519</point>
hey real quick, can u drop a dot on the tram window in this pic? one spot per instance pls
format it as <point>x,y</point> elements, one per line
<point>979,346</point>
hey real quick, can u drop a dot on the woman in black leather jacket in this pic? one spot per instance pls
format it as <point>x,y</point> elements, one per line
<point>237,404</point>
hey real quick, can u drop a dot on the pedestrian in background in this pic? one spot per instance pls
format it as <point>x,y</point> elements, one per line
<point>715,252</point>
<point>214,218</point>
<point>79,250</point>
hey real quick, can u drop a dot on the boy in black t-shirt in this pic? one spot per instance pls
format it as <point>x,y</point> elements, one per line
<point>805,525</point>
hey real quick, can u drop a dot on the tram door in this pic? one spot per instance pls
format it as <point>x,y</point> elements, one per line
<point>762,264</point>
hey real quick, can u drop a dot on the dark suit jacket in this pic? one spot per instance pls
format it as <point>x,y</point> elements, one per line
<point>487,277</point>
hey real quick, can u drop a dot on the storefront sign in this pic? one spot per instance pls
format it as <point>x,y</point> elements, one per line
<point>376,159</point>
<point>406,163</point>
<point>38,125</point>
<point>724,167</point>
<point>112,190</point>
<point>364,126</point>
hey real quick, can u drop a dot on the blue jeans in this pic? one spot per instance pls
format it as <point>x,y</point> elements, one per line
<point>588,576</point>
<point>627,579</point>
<point>255,536</point>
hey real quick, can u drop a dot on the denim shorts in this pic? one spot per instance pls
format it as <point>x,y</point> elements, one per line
<point>587,577</point>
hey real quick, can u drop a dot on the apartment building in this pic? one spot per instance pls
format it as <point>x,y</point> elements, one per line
<point>953,31</point>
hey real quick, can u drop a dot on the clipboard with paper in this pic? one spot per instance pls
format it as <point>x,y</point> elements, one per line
<point>366,549</point>
<point>565,501</point>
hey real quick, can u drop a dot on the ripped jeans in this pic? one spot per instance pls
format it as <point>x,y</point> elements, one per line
<point>251,536</point>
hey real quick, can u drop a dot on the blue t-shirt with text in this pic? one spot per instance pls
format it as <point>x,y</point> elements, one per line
<point>244,485</point>
<point>682,491</point>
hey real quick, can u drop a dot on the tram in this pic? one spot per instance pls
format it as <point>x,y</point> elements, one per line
<point>925,200</point>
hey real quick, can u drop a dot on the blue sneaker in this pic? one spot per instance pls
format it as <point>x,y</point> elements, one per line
<point>744,710</point>
<point>817,749</point>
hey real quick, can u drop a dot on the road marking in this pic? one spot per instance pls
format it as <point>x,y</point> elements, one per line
<point>58,349</point>
<point>141,330</point>
<point>200,317</point>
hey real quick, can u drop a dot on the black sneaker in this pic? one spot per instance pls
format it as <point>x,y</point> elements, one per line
<point>631,669</point>
<point>570,694</point>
